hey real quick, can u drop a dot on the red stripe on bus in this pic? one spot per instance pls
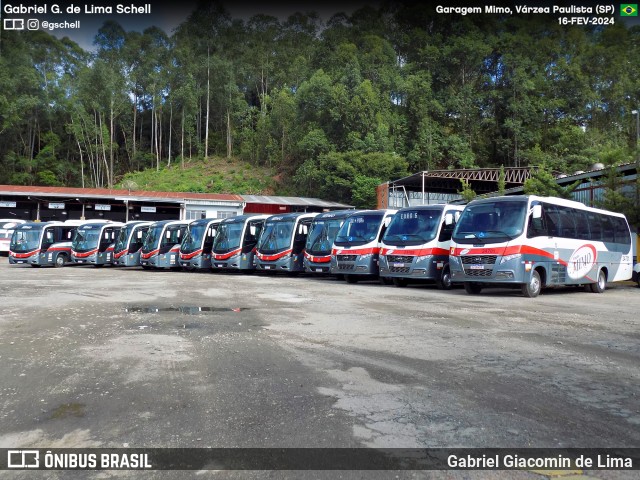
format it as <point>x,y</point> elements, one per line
<point>321,259</point>
<point>420,252</point>
<point>120,254</point>
<point>271,258</point>
<point>356,251</point>
<point>225,256</point>
<point>84,254</point>
<point>150,254</point>
<point>189,256</point>
<point>23,255</point>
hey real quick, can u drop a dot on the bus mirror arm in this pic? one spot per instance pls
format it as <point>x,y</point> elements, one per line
<point>448,219</point>
<point>536,211</point>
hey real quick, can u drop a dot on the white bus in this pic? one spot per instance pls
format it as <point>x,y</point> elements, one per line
<point>195,249</point>
<point>415,247</point>
<point>536,242</point>
<point>356,247</point>
<point>126,251</point>
<point>93,242</point>
<point>7,226</point>
<point>281,244</point>
<point>161,247</point>
<point>234,247</point>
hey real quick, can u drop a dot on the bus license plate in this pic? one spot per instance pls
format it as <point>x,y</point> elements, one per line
<point>80,261</point>
<point>318,270</point>
<point>267,267</point>
<point>476,267</point>
<point>398,265</point>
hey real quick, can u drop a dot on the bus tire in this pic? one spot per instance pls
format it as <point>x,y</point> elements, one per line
<point>400,282</point>
<point>601,283</point>
<point>444,282</point>
<point>98,265</point>
<point>386,281</point>
<point>532,288</point>
<point>351,279</point>
<point>60,261</point>
<point>35,266</point>
<point>472,288</point>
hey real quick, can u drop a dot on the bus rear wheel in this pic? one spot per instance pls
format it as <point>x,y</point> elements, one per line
<point>60,261</point>
<point>472,288</point>
<point>601,284</point>
<point>533,287</point>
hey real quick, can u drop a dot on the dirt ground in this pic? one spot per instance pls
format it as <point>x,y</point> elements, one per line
<point>131,358</point>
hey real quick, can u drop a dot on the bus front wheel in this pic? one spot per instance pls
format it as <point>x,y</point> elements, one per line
<point>351,278</point>
<point>601,284</point>
<point>532,289</point>
<point>444,282</point>
<point>472,288</point>
<point>60,261</point>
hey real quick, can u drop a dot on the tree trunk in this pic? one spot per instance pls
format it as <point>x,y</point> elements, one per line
<point>206,125</point>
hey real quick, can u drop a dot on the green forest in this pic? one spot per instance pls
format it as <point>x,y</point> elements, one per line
<point>316,107</point>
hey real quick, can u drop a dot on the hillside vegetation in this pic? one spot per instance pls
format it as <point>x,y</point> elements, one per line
<point>216,175</point>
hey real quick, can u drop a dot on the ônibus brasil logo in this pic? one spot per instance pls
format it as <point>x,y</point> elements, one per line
<point>581,262</point>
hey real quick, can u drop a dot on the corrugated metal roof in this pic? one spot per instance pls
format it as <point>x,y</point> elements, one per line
<point>139,195</point>
<point>294,201</point>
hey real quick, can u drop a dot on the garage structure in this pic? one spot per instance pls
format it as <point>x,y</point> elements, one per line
<point>67,203</point>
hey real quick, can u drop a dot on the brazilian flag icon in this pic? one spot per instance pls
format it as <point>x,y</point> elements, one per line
<point>629,10</point>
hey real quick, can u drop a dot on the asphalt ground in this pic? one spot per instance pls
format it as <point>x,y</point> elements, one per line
<point>116,357</point>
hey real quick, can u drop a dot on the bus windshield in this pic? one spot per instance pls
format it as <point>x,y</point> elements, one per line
<point>228,237</point>
<point>152,239</point>
<point>359,229</point>
<point>413,227</point>
<point>123,237</point>
<point>192,240</point>
<point>86,239</point>
<point>491,222</point>
<point>172,235</point>
<point>322,234</point>
<point>25,240</point>
<point>276,236</point>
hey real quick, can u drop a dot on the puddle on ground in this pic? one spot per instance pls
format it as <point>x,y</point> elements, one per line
<point>69,410</point>
<point>186,310</point>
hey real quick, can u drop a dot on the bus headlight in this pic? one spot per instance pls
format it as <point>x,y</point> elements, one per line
<point>508,258</point>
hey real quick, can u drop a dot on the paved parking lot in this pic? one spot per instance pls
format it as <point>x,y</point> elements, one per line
<point>113,357</point>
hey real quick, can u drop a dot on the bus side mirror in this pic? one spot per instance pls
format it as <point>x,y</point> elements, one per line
<point>252,230</point>
<point>536,211</point>
<point>167,235</point>
<point>387,221</point>
<point>457,216</point>
<point>448,219</point>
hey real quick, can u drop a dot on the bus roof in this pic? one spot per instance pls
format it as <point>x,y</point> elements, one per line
<point>205,221</point>
<point>339,214</point>
<point>554,200</point>
<point>282,217</point>
<point>244,218</point>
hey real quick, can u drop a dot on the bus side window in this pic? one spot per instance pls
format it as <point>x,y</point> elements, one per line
<point>582,224</point>
<point>568,226</point>
<point>621,231</point>
<point>607,229</point>
<point>595,226</point>
<point>537,227</point>
<point>447,230</point>
<point>552,219</point>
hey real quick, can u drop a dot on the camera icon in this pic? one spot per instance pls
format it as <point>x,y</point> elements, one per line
<point>33,24</point>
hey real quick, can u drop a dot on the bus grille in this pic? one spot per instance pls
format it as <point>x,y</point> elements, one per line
<point>346,266</point>
<point>399,258</point>
<point>478,259</point>
<point>399,269</point>
<point>478,273</point>
<point>346,258</point>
